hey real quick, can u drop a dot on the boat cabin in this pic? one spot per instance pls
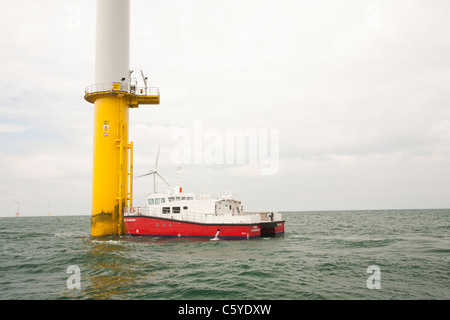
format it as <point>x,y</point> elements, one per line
<point>174,201</point>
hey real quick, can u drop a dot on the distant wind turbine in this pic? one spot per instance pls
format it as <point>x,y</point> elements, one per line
<point>155,173</point>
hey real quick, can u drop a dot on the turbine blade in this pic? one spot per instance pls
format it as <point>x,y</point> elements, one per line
<point>147,174</point>
<point>163,179</point>
<point>157,157</point>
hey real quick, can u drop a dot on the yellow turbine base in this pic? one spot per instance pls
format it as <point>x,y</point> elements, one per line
<point>110,167</point>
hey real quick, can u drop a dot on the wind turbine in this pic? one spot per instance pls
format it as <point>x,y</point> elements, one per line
<point>155,173</point>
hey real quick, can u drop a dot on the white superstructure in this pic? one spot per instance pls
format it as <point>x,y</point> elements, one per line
<point>174,204</point>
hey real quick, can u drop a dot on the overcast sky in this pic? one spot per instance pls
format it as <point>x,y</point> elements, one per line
<point>355,92</point>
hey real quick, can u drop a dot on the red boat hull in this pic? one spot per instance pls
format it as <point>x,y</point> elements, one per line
<point>151,226</point>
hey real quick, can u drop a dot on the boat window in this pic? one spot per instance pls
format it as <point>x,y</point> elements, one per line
<point>163,200</point>
<point>166,210</point>
<point>183,198</point>
<point>157,201</point>
<point>178,198</point>
<point>185,208</point>
<point>176,210</point>
<point>171,199</point>
<point>190,198</point>
<point>150,202</point>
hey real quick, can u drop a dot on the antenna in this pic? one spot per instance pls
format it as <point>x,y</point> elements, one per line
<point>144,78</point>
<point>156,169</point>
<point>179,168</point>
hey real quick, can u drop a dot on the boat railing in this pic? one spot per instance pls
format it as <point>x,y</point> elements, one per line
<point>267,216</point>
<point>248,217</point>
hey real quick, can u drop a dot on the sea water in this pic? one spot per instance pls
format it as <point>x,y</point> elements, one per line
<point>364,255</point>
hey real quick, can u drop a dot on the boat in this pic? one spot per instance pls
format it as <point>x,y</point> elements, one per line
<point>174,213</point>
